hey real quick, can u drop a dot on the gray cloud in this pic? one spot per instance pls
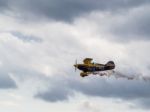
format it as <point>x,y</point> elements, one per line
<point>26,38</point>
<point>144,103</point>
<point>61,88</point>
<point>135,90</point>
<point>4,4</point>
<point>54,94</point>
<point>134,25</point>
<point>6,82</point>
<point>68,9</point>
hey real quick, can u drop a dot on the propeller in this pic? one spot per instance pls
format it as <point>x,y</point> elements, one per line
<point>75,65</point>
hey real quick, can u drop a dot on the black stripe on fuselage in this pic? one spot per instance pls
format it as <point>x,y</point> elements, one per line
<point>90,69</point>
<point>93,69</point>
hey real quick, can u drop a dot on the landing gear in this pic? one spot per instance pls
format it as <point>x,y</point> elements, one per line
<point>83,74</point>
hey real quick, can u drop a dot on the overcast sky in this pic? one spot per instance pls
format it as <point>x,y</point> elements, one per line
<point>41,39</point>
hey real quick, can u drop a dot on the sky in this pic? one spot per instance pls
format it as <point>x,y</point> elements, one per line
<point>41,39</point>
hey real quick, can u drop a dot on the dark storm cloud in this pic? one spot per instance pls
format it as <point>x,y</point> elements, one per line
<point>68,9</point>
<point>26,38</point>
<point>133,90</point>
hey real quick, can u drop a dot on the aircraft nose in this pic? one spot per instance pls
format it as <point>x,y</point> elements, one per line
<point>75,65</point>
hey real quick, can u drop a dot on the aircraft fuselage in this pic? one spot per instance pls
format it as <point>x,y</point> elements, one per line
<point>93,68</point>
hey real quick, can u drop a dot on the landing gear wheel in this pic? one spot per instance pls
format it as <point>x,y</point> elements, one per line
<point>83,74</point>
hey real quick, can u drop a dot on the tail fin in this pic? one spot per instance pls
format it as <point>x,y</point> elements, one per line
<point>110,64</point>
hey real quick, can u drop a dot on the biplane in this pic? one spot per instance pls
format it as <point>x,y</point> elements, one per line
<point>89,67</point>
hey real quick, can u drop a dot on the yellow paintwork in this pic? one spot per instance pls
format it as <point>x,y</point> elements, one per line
<point>87,62</point>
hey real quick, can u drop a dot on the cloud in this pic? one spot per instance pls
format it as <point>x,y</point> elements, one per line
<point>67,10</point>
<point>143,103</point>
<point>54,94</point>
<point>6,82</point>
<point>3,4</point>
<point>128,26</point>
<point>26,38</point>
<point>61,89</point>
<point>61,44</point>
<point>90,107</point>
<point>133,25</point>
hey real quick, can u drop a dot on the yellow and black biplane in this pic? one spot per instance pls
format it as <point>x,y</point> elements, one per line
<point>88,67</point>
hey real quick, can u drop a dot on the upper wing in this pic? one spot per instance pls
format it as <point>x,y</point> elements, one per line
<point>87,60</point>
